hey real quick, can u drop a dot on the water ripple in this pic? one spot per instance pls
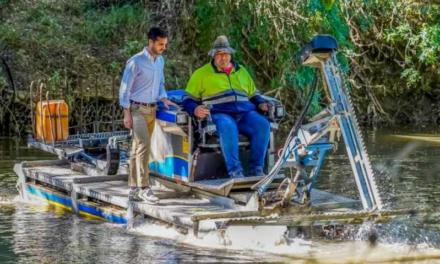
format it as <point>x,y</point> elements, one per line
<point>407,175</point>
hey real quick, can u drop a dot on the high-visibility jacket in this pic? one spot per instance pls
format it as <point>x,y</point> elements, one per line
<point>223,93</point>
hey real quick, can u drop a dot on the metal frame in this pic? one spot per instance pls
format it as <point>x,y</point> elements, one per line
<point>310,144</point>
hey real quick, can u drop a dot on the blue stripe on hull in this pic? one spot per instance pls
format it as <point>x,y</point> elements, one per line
<point>171,167</point>
<point>67,202</point>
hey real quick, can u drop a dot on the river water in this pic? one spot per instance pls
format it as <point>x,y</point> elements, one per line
<point>408,175</point>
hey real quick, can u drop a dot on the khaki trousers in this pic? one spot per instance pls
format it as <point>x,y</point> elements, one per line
<point>143,125</point>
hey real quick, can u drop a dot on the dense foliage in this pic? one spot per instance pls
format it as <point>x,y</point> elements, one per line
<point>389,49</point>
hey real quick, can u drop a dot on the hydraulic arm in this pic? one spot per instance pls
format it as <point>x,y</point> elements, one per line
<point>307,145</point>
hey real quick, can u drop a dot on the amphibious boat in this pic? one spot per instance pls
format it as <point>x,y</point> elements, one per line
<point>188,171</point>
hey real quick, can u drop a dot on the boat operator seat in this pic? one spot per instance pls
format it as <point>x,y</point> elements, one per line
<point>197,143</point>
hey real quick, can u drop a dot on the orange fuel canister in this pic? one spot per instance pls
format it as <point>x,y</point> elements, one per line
<point>52,120</point>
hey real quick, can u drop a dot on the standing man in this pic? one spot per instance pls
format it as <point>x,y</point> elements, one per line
<point>141,88</point>
<point>229,90</point>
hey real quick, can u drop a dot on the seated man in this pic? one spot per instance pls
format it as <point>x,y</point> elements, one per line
<point>229,91</point>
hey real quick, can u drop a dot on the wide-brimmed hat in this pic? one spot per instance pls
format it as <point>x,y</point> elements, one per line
<point>221,44</point>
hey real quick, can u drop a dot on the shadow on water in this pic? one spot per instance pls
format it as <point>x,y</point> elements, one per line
<point>407,173</point>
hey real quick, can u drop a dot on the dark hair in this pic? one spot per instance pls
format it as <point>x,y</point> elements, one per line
<point>156,32</point>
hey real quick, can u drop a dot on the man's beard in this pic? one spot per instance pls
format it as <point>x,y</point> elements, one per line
<point>224,65</point>
<point>157,52</point>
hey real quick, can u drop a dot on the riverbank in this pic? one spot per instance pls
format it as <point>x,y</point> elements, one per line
<point>76,50</point>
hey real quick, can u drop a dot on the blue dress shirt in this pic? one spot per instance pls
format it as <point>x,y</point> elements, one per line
<point>143,80</point>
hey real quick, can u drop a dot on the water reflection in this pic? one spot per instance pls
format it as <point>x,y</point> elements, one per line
<point>40,236</point>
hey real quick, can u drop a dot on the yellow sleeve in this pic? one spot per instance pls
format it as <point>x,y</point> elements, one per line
<point>251,88</point>
<point>194,87</point>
